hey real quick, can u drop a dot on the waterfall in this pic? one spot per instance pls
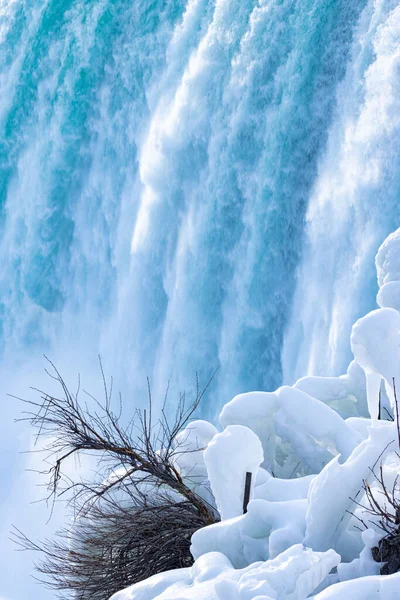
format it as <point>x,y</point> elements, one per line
<point>158,161</point>
<point>191,184</point>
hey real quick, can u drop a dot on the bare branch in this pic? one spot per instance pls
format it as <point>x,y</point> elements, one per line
<point>138,515</point>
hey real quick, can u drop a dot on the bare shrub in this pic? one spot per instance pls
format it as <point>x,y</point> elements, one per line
<point>137,518</point>
<point>382,507</point>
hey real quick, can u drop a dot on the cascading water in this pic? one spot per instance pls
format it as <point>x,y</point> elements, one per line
<point>167,167</point>
<point>354,203</point>
<point>157,166</point>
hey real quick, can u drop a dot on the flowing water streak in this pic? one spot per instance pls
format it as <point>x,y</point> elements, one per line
<point>355,202</point>
<point>227,166</point>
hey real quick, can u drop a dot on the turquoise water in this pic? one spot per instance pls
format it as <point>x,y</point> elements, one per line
<point>193,184</point>
<point>157,164</point>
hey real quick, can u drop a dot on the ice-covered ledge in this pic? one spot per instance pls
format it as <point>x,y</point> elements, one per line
<point>309,449</point>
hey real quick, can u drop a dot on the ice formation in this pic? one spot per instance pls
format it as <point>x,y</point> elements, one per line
<point>310,448</point>
<point>229,456</point>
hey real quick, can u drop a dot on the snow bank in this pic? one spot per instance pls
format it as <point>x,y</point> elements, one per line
<point>291,576</point>
<point>309,449</point>
<point>367,588</point>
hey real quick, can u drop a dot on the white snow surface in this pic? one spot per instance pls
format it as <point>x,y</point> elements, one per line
<point>310,448</point>
<point>292,575</point>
